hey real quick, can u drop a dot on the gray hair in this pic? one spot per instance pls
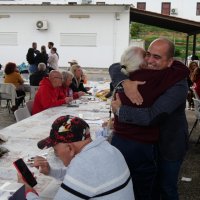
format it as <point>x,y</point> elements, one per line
<point>65,76</point>
<point>41,66</point>
<point>131,59</point>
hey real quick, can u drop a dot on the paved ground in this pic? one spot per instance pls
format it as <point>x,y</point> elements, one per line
<point>191,166</point>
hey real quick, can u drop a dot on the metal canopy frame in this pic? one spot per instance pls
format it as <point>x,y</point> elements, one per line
<point>191,28</point>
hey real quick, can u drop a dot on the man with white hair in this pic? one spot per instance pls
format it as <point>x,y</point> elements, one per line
<point>37,76</point>
<point>48,94</point>
<point>93,169</point>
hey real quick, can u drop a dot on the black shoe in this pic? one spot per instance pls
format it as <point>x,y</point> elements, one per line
<point>14,108</point>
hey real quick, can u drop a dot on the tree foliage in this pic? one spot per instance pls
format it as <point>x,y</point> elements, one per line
<point>149,33</point>
<point>135,30</point>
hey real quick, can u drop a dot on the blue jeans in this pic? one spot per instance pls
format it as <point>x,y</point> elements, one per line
<point>140,159</point>
<point>33,68</point>
<point>168,172</point>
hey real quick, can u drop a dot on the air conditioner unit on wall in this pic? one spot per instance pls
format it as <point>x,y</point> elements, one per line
<point>42,25</point>
<point>174,11</point>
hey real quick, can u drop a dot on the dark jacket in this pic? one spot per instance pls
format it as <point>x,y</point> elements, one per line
<point>41,58</point>
<point>30,56</point>
<point>157,82</point>
<point>36,77</point>
<point>168,111</point>
<point>77,87</point>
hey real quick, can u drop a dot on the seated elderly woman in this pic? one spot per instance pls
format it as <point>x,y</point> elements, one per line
<point>36,77</point>
<point>14,77</point>
<point>65,90</point>
<point>77,82</point>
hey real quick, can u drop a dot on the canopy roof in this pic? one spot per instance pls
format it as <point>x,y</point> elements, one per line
<point>165,21</point>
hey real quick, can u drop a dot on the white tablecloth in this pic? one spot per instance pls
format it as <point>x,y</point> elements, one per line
<point>23,137</point>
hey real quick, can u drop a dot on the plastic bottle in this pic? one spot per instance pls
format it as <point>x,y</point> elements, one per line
<point>95,90</point>
<point>70,93</point>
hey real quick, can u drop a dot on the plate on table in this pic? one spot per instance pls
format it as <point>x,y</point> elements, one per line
<point>91,118</point>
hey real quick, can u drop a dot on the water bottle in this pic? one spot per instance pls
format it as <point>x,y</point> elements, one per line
<point>70,93</point>
<point>95,90</point>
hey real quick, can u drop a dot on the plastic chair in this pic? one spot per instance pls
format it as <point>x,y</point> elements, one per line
<point>29,105</point>
<point>33,90</point>
<point>8,93</point>
<point>21,113</point>
<point>197,114</point>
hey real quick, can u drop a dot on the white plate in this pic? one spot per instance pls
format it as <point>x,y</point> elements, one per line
<point>91,118</point>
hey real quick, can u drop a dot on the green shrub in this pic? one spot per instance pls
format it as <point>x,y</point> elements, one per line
<point>149,33</point>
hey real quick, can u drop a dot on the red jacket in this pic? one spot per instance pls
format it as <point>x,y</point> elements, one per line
<point>46,97</point>
<point>64,92</point>
<point>197,87</point>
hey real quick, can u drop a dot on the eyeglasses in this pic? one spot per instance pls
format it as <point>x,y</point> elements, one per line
<point>58,78</point>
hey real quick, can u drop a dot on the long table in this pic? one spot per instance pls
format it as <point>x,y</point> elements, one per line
<point>22,138</point>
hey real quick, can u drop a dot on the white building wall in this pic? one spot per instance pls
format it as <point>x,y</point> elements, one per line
<point>112,34</point>
<point>186,8</point>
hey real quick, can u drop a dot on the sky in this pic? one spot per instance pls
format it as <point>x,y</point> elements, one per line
<point>108,1</point>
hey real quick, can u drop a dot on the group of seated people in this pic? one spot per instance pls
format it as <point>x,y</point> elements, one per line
<point>59,88</point>
<point>55,88</point>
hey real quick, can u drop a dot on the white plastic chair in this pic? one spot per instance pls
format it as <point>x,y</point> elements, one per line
<point>8,93</point>
<point>21,113</point>
<point>197,114</point>
<point>33,90</point>
<point>29,105</point>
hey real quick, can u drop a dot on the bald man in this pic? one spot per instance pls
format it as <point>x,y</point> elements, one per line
<point>167,112</point>
<point>47,95</point>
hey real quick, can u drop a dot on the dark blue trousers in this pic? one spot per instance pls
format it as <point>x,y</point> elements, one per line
<point>167,178</point>
<point>140,159</point>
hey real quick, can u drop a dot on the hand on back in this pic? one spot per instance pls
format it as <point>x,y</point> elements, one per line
<point>131,91</point>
